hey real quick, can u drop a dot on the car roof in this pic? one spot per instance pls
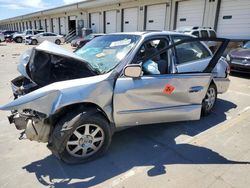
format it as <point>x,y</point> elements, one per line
<point>150,33</point>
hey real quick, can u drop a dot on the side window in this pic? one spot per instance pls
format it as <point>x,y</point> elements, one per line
<point>212,34</point>
<point>45,34</point>
<point>153,57</point>
<point>204,34</point>
<point>190,51</point>
<point>196,33</point>
<point>29,33</point>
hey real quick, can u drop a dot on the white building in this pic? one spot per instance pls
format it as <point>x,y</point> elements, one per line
<point>230,18</point>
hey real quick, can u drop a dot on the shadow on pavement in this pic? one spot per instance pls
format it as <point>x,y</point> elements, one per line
<point>240,75</point>
<point>151,145</point>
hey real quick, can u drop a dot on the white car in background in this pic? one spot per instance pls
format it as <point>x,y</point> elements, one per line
<point>2,37</point>
<point>39,38</point>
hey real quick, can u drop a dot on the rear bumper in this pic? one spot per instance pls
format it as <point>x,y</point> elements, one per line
<point>222,84</point>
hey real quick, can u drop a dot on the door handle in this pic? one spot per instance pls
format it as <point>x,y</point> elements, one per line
<point>195,89</point>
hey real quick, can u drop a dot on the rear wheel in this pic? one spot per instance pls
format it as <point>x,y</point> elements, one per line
<point>79,138</point>
<point>34,42</point>
<point>19,40</point>
<point>209,101</point>
<point>58,42</point>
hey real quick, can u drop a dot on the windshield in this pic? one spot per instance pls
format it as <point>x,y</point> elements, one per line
<point>247,45</point>
<point>104,53</point>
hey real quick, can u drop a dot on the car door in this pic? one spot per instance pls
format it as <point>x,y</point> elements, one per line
<point>159,97</point>
<point>41,37</point>
<point>51,37</point>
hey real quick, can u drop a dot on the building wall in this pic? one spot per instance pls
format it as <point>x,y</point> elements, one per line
<point>83,10</point>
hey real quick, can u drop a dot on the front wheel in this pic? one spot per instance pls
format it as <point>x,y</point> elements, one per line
<point>209,101</point>
<point>34,42</point>
<point>19,40</point>
<point>58,42</point>
<point>79,138</point>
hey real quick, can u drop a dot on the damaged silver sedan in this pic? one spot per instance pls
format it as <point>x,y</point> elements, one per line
<point>76,101</point>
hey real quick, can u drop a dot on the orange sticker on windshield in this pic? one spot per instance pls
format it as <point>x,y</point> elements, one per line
<point>168,89</point>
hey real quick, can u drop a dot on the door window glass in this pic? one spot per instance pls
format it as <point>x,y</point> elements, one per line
<point>204,34</point>
<point>190,51</point>
<point>154,60</point>
<point>212,34</point>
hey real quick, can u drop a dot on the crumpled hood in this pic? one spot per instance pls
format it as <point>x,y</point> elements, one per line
<point>49,99</point>
<point>49,63</point>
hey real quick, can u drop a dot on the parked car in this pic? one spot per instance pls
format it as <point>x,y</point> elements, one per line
<point>8,33</point>
<point>80,42</point>
<point>20,37</point>
<point>2,39</point>
<point>39,38</point>
<point>76,101</point>
<point>201,32</point>
<point>239,59</point>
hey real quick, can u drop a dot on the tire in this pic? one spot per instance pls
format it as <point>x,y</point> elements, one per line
<point>19,40</point>
<point>34,42</point>
<point>209,101</point>
<point>67,144</point>
<point>58,42</point>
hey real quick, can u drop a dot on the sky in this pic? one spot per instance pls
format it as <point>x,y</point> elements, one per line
<point>12,8</point>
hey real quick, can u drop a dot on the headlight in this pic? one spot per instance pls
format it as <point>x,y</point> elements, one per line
<point>228,58</point>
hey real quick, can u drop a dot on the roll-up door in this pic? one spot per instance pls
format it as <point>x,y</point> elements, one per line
<point>156,17</point>
<point>62,25</point>
<point>110,21</point>
<point>55,25</point>
<point>130,19</point>
<point>234,19</point>
<point>95,22</point>
<point>190,13</point>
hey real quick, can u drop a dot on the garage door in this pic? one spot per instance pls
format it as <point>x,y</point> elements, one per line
<point>43,24</point>
<point>190,13</point>
<point>55,25</point>
<point>156,16</point>
<point>130,19</point>
<point>110,21</point>
<point>62,25</point>
<point>234,19</point>
<point>95,22</point>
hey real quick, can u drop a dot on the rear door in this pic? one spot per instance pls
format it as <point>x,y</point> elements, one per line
<point>159,97</point>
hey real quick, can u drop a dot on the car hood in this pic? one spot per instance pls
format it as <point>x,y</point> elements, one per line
<point>49,63</point>
<point>240,53</point>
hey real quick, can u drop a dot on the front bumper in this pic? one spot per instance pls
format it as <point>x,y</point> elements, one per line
<point>28,41</point>
<point>240,67</point>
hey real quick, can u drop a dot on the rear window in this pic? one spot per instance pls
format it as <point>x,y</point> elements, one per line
<point>204,34</point>
<point>212,34</point>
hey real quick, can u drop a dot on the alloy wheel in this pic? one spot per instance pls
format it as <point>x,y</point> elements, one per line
<point>210,98</point>
<point>86,140</point>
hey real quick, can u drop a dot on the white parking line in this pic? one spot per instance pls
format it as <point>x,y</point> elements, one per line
<point>240,93</point>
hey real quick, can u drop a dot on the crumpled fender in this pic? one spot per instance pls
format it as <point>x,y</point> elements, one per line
<point>49,99</point>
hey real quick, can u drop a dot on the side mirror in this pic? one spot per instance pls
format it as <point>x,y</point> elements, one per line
<point>133,71</point>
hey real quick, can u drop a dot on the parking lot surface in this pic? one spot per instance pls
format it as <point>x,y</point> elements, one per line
<point>211,152</point>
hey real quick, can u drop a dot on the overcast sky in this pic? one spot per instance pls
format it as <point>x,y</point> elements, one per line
<point>12,8</point>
